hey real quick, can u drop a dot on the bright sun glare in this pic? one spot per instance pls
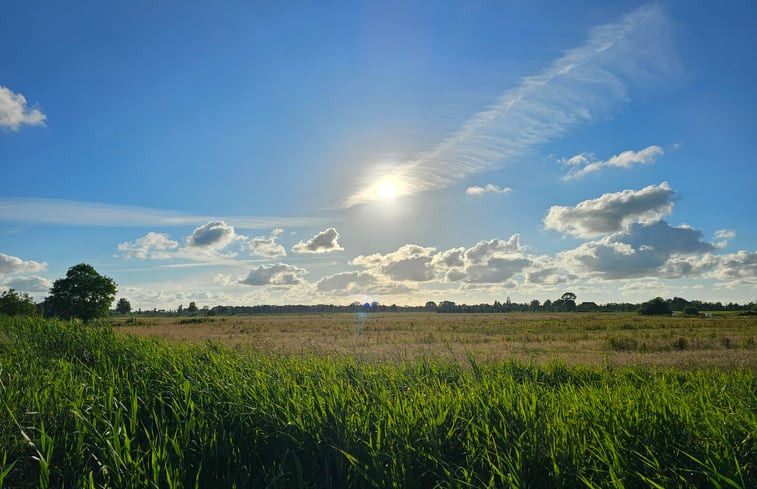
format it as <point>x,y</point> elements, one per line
<point>386,190</point>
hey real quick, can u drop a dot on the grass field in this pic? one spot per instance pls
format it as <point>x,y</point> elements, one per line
<point>576,339</point>
<point>319,406</point>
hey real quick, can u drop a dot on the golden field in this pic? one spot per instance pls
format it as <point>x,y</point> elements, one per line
<point>725,341</point>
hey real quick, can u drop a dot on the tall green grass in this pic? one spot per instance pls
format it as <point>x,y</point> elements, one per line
<point>83,408</point>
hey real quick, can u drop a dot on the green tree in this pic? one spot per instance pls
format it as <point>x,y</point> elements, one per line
<point>192,308</point>
<point>678,303</point>
<point>567,302</point>
<point>83,294</point>
<point>123,306</point>
<point>14,304</point>
<point>656,307</point>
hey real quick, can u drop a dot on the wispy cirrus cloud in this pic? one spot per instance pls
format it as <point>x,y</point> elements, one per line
<point>14,111</point>
<point>588,82</point>
<point>75,213</point>
<point>584,163</point>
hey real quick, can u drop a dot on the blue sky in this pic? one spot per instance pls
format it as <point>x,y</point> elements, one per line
<point>266,152</point>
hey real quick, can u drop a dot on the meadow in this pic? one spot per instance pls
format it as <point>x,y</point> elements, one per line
<point>587,339</point>
<point>553,401</point>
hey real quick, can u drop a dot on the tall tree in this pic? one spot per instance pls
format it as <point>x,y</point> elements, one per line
<point>567,302</point>
<point>83,294</point>
<point>123,306</point>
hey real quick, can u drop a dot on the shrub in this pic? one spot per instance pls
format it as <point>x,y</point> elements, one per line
<point>656,307</point>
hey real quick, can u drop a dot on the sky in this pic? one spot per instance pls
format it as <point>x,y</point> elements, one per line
<point>255,152</point>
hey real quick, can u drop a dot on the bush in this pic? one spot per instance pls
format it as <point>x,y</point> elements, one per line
<point>656,307</point>
<point>14,304</point>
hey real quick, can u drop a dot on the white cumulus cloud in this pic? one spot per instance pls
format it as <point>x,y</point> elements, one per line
<point>410,262</point>
<point>32,284</point>
<point>153,245</point>
<point>277,274</point>
<point>12,264</point>
<point>623,160</point>
<point>490,188</point>
<point>267,246</point>
<point>212,235</point>
<point>612,212</point>
<point>14,112</point>
<point>654,249</point>
<point>324,242</point>
<point>492,261</point>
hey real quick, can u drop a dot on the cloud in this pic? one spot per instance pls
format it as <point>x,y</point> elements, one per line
<point>278,274</point>
<point>67,212</point>
<point>323,242</point>
<point>492,261</point>
<point>410,262</point>
<point>622,160</point>
<point>360,283</point>
<point>588,82</point>
<point>483,251</point>
<point>725,234</point>
<point>346,281</point>
<point>643,250</point>
<point>611,212</point>
<point>152,245</point>
<point>495,270</point>
<point>212,235</point>
<point>267,246</point>
<point>740,266</point>
<point>451,258</point>
<point>489,188</point>
<point>29,284</point>
<point>547,271</point>
<point>11,264</point>
<point>14,112</point>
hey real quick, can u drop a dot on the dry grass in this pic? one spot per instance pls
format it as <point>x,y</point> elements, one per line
<point>725,341</point>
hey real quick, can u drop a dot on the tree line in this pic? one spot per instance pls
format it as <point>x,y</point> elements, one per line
<point>85,294</point>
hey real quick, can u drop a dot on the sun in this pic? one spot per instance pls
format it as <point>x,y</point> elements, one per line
<point>386,190</point>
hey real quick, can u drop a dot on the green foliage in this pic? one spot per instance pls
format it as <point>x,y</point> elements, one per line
<point>89,409</point>
<point>691,311</point>
<point>656,307</point>
<point>14,304</point>
<point>83,294</point>
<point>123,306</point>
